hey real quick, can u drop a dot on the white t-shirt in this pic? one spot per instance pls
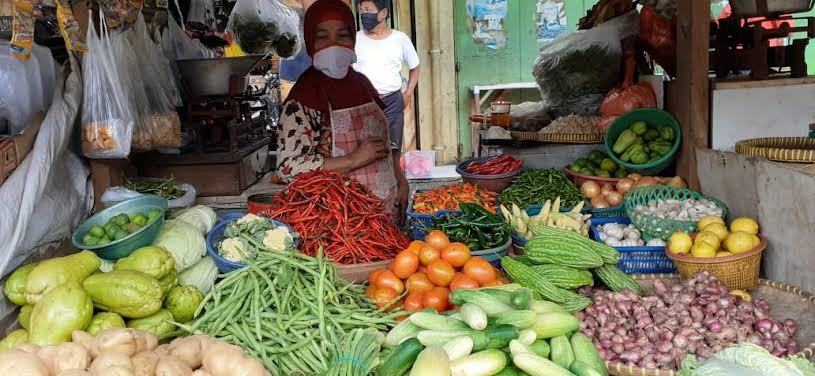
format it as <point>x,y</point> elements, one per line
<point>381,60</point>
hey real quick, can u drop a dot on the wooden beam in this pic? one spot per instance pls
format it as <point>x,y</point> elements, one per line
<point>424,89</point>
<point>446,143</point>
<point>692,87</point>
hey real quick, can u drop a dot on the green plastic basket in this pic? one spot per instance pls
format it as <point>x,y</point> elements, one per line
<point>652,226</point>
<point>651,116</point>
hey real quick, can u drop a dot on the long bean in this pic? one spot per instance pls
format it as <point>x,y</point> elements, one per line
<point>534,187</point>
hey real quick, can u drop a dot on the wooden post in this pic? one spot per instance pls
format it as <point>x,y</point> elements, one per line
<point>692,87</point>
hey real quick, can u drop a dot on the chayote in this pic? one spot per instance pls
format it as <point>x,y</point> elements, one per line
<point>182,302</point>
<point>154,261</point>
<point>51,273</point>
<point>25,316</point>
<point>129,293</point>
<point>17,337</point>
<point>14,288</point>
<point>104,320</point>
<point>159,323</point>
<point>60,311</point>
<point>168,282</point>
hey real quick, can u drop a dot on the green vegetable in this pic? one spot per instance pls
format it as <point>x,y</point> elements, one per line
<point>25,316</point>
<point>539,366</point>
<point>575,302</point>
<point>561,351</point>
<point>586,353</point>
<point>458,347</point>
<point>483,300</point>
<point>498,336</point>
<point>550,325</point>
<point>500,295</point>
<point>608,165</point>
<point>165,188</point>
<point>202,275</point>
<point>620,173</point>
<point>629,153</point>
<point>564,276</point>
<point>15,286</point>
<point>520,319</point>
<point>357,354</point>
<point>97,231</point>
<point>402,332</point>
<point>103,240</point>
<point>129,293</point>
<point>132,228</point>
<point>661,147</point>
<point>540,348</point>
<point>521,298</point>
<point>152,260</point>
<point>168,282</point>
<point>13,339</point>
<point>508,371</point>
<point>60,311</point>
<point>550,248</point>
<point>152,214</point>
<point>160,323</point>
<point>51,273</point>
<point>650,135</point>
<point>528,277</point>
<point>639,128</point>
<point>103,321</point>
<point>597,156</point>
<point>111,229</point>
<point>90,240</point>
<point>602,173</point>
<point>121,234</point>
<point>430,361</point>
<point>534,187</point>
<point>186,244</point>
<point>474,225</point>
<point>432,321</point>
<point>139,219</point>
<point>582,369</point>
<point>182,302</point>
<point>201,217</point>
<point>441,337</point>
<point>542,306</point>
<point>625,140</point>
<point>402,358</point>
<point>666,133</point>
<point>121,220</point>
<point>483,363</point>
<point>474,316</point>
<point>616,280</point>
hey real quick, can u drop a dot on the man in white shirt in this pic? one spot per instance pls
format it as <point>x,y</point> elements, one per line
<point>381,53</point>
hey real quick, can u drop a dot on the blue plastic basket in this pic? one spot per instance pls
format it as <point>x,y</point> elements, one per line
<point>636,260</point>
<point>615,212</point>
<point>216,235</point>
<point>419,222</point>
<point>494,255</point>
<point>519,242</point>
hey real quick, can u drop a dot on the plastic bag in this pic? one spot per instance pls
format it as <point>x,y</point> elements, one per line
<point>107,121</point>
<point>659,35</point>
<point>201,15</point>
<point>575,71</point>
<point>26,87</point>
<point>121,14</point>
<point>265,26</point>
<point>115,195</point>
<point>167,77</point>
<point>628,96</point>
<point>529,117</point>
<point>177,45</point>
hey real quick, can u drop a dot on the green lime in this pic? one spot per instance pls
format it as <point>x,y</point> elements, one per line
<point>596,156</point>
<point>153,213</point>
<point>103,241</point>
<point>121,234</point>
<point>608,165</point>
<point>620,173</point>
<point>139,219</point>
<point>97,231</point>
<point>603,174</point>
<point>90,240</point>
<point>588,171</point>
<point>132,227</point>
<point>111,228</point>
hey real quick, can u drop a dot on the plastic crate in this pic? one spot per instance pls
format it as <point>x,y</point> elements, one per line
<point>420,222</point>
<point>615,212</point>
<point>636,260</point>
<point>216,235</point>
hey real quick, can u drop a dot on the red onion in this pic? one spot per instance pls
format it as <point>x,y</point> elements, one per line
<point>605,344</point>
<point>714,327</point>
<point>763,325</point>
<point>618,348</point>
<point>631,357</point>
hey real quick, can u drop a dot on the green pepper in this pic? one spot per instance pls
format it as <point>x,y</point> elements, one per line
<point>661,147</point>
<point>639,141</point>
<point>650,135</point>
<point>666,133</point>
<point>624,141</point>
<point>639,128</point>
<point>639,157</point>
<point>626,157</point>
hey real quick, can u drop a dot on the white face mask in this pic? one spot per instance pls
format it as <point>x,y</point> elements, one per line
<point>334,61</point>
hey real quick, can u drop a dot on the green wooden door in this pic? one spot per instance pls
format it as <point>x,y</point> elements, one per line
<point>478,64</point>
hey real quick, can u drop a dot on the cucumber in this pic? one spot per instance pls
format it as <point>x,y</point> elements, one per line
<point>519,319</point>
<point>586,353</point>
<point>539,366</point>
<point>521,298</point>
<point>527,336</point>
<point>440,337</point>
<point>402,358</point>
<point>543,306</point>
<point>516,347</point>
<point>508,371</point>
<point>432,321</point>
<point>540,348</point>
<point>484,363</point>
<point>458,347</point>
<point>401,332</point>
<point>501,295</point>
<point>430,361</point>
<point>562,353</point>
<point>582,369</point>
<point>549,325</point>
<point>499,336</point>
<point>474,316</point>
<point>490,305</point>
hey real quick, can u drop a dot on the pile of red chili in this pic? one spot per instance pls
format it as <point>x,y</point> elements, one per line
<point>495,166</point>
<point>340,215</point>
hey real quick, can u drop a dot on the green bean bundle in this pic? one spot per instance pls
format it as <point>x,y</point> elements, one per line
<point>534,187</point>
<point>357,355</point>
<point>288,310</point>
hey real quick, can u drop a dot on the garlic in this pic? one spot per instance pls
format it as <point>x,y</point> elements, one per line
<point>613,242</point>
<point>656,242</point>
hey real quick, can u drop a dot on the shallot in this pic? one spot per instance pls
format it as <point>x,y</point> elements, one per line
<point>697,317</point>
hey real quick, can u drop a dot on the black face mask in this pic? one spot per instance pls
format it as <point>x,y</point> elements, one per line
<point>369,21</point>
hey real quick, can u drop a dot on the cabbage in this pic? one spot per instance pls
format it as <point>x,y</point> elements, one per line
<point>201,217</point>
<point>757,358</point>
<point>184,241</point>
<point>202,275</point>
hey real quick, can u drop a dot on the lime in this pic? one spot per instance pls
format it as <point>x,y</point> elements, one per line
<point>121,234</point>
<point>596,156</point>
<point>133,227</point>
<point>139,219</point>
<point>111,229</point>
<point>97,231</point>
<point>153,213</point>
<point>90,240</point>
<point>103,241</point>
<point>602,173</point>
<point>608,165</point>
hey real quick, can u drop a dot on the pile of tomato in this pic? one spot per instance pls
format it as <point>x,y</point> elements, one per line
<point>425,273</point>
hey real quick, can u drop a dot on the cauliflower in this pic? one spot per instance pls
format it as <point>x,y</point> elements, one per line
<point>279,239</point>
<point>234,249</point>
<point>248,218</point>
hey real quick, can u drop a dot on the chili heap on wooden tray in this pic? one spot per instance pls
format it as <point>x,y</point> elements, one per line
<point>495,166</point>
<point>450,196</point>
<point>340,215</point>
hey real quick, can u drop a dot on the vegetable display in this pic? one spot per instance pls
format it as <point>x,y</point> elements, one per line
<point>451,196</point>
<point>619,235</point>
<point>549,216</point>
<point>340,216</point>
<point>714,239</point>
<point>699,316</point>
<point>164,188</point>
<point>681,210</point>
<point>597,163</point>
<point>534,187</point>
<point>495,166</point>
<point>237,246</point>
<point>746,359</point>
<point>642,143</point>
<point>475,226</point>
<point>118,227</point>
<point>427,273</point>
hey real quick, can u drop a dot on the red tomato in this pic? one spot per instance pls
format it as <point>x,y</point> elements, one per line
<point>437,299</point>
<point>456,254</point>
<point>415,246</point>
<point>405,264</point>
<point>493,283</point>
<point>480,270</point>
<point>374,276</point>
<point>383,296</point>
<point>462,281</point>
<point>369,292</point>
<point>437,239</point>
<point>413,301</point>
<point>440,273</point>
<point>428,254</point>
<point>419,282</point>
<point>390,280</point>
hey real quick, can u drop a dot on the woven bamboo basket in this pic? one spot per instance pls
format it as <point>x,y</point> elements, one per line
<point>781,149</point>
<point>792,302</point>
<point>737,272</point>
<point>555,138</point>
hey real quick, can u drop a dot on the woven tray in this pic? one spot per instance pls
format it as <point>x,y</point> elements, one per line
<point>577,138</point>
<point>781,149</point>
<point>785,302</point>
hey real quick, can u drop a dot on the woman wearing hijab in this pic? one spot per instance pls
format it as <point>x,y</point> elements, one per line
<point>333,118</point>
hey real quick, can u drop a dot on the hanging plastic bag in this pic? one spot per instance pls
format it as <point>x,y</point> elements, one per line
<point>265,26</point>
<point>177,45</point>
<point>628,96</point>
<point>167,77</point>
<point>26,87</point>
<point>659,35</point>
<point>201,15</point>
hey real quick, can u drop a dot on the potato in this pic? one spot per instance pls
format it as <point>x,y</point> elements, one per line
<point>74,372</point>
<point>144,363</point>
<point>116,340</point>
<point>20,363</point>
<point>70,356</point>
<point>172,366</point>
<point>113,371</point>
<point>109,360</point>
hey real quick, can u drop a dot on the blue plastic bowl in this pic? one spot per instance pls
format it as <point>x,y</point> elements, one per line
<point>124,247</point>
<point>494,255</point>
<point>216,235</point>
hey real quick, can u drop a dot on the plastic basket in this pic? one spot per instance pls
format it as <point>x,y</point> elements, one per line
<point>494,255</point>
<point>615,212</point>
<point>652,116</point>
<point>420,222</point>
<point>652,226</point>
<point>495,183</point>
<point>216,235</point>
<point>737,272</point>
<point>636,260</point>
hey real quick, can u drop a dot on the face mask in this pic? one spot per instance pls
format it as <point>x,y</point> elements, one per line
<point>369,21</point>
<point>334,61</point>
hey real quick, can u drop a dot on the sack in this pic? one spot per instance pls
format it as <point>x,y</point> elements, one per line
<point>575,71</point>
<point>626,97</point>
<point>659,35</point>
<point>107,121</point>
<point>177,45</point>
<point>265,26</point>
